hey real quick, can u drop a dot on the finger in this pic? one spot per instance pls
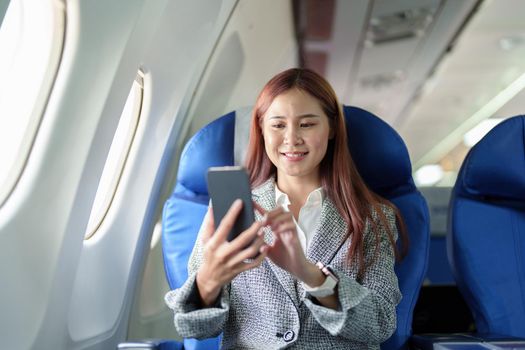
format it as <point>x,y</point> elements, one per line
<point>268,251</point>
<point>280,218</point>
<point>257,207</point>
<point>246,237</point>
<point>209,225</point>
<point>285,226</point>
<point>290,240</point>
<point>264,249</point>
<point>227,222</point>
<point>271,215</point>
<point>241,267</point>
<point>249,252</point>
<point>256,262</point>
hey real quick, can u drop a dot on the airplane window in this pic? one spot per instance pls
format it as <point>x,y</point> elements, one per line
<point>117,155</point>
<point>31,39</point>
<point>157,232</point>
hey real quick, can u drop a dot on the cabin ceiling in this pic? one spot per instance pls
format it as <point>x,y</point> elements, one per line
<point>431,68</point>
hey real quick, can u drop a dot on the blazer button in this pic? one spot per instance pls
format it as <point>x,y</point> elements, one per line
<point>288,336</point>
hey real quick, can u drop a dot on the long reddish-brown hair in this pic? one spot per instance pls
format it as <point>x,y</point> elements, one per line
<point>339,176</point>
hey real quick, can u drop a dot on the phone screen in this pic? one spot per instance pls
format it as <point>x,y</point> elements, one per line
<point>225,185</point>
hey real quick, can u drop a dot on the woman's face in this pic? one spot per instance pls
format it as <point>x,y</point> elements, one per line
<point>296,133</point>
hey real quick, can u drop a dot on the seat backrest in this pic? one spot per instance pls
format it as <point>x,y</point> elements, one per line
<point>486,230</point>
<point>382,159</point>
<point>380,156</point>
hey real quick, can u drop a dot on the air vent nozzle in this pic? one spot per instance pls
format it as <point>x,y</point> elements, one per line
<point>400,25</point>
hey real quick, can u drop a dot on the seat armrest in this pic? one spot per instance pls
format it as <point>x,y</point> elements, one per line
<point>497,338</point>
<point>151,344</point>
<point>429,340</point>
<point>464,341</point>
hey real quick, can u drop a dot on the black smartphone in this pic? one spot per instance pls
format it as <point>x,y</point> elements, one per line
<point>225,185</point>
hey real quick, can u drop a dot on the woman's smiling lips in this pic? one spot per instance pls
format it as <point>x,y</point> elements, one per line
<point>294,156</point>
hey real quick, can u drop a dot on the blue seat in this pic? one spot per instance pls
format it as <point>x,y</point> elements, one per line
<point>185,209</point>
<point>381,158</point>
<point>486,233</point>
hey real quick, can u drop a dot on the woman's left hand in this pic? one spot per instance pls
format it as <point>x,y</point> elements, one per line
<point>286,251</point>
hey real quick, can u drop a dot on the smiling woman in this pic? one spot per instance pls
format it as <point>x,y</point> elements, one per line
<point>329,281</point>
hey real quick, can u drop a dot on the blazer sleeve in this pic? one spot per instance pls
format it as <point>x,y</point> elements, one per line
<point>367,309</point>
<point>191,319</point>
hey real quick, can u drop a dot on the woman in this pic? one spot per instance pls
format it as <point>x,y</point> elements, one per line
<point>324,277</point>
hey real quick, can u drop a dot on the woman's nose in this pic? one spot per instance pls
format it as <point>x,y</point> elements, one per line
<point>292,136</point>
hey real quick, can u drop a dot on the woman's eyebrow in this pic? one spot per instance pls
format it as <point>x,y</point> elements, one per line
<point>309,115</point>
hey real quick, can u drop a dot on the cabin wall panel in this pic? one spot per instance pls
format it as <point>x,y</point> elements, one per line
<point>258,42</point>
<point>43,221</point>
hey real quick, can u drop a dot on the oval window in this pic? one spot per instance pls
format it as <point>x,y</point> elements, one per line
<point>118,153</point>
<point>31,40</point>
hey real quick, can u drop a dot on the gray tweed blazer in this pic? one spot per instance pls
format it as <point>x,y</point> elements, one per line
<point>266,308</point>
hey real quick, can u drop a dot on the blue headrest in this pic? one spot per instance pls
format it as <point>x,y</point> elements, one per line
<point>211,146</point>
<point>379,153</point>
<point>495,167</point>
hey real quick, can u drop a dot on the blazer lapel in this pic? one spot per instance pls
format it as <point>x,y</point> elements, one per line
<point>329,236</point>
<point>264,195</point>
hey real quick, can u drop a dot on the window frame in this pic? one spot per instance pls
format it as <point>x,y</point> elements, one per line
<point>107,201</point>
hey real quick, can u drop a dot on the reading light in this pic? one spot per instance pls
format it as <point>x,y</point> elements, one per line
<point>511,42</point>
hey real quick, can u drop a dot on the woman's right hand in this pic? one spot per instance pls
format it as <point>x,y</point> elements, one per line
<point>223,260</point>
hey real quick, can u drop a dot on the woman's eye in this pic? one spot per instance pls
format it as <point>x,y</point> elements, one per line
<point>307,125</point>
<point>277,126</point>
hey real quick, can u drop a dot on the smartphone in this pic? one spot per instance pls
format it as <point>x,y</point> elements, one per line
<point>225,185</point>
